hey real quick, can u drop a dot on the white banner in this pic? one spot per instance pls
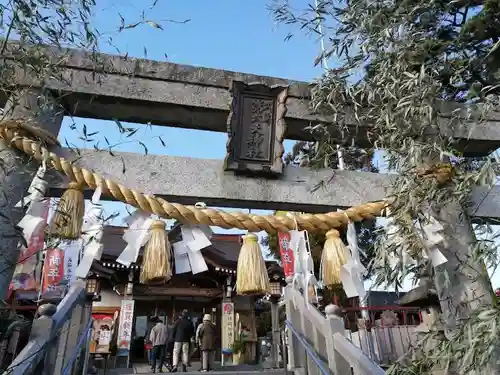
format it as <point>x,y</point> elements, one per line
<point>71,254</point>
<point>227,326</point>
<point>126,322</point>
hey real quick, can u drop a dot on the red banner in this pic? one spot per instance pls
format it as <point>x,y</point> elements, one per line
<point>24,278</point>
<point>53,269</point>
<point>287,258</point>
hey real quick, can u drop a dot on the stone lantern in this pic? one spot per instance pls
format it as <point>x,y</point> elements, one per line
<point>424,297</point>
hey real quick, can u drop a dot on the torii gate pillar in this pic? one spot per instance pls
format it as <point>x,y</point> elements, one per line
<point>17,172</point>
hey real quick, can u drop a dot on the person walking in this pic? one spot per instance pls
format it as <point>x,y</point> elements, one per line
<point>169,348</point>
<point>182,333</point>
<point>206,338</point>
<point>158,338</point>
<point>197,339</point>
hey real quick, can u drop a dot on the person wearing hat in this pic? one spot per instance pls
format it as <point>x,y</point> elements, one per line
<point>158,338</point>
<point>206,338</point>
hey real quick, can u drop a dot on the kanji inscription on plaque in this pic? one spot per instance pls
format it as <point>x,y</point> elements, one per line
<point>256,129</point>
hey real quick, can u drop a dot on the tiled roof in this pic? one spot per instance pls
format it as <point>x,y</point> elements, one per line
<point>381,298</point>
<point>222,253</point>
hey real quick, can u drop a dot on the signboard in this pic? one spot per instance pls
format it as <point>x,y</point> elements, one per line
<point>256,129</point>
<point>125,326</point>
<point>59,267</point>
<point>287,257</point>
<point>227,327</point>
<point>104,337</point>
<point>102,332</point>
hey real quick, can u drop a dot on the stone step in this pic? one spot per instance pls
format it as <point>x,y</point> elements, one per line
<point>233,371</point>
<point>239,369</point>
<point>272,372</point>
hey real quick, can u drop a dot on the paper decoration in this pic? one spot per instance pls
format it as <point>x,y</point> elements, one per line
<point>135,236</point>
<point>432,237</point>
<point>197,262</point>
<point>34,217</point>
<point>394,240</point>
<point>187,253</point>
<point>92,232</point>
<point>303,276</point>
<point>351,274</point>
<point>181,258</point>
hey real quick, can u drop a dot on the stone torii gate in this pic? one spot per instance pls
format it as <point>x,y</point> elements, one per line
<point>257,112</point>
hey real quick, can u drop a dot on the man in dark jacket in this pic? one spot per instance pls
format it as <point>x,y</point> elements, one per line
<point>182,332</point>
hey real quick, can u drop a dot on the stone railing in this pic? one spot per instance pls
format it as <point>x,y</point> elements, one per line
<point>384,333</point>
<point>58,342</point>
<point>317,345</point>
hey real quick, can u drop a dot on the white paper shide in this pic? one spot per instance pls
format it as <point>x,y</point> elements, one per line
<point>187,253</point>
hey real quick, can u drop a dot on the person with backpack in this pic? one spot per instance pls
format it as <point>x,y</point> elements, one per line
<point>207,336</point>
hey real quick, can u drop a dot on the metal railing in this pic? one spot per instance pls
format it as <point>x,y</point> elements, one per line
<point>55,344</point>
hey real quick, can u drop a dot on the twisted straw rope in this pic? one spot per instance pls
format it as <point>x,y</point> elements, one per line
<point>190,214</point>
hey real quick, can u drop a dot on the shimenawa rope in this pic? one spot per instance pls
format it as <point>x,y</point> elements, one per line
<point>188,214</point>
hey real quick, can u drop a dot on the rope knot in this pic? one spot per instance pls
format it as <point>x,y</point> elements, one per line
<point>25,129</point>
<point>442,172</point>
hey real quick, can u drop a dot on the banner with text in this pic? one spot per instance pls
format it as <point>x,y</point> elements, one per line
<point>287,257</point>
<point>26,277</point>
<point>59,267</point>
<point>227,327</point>
<point>125,326</point>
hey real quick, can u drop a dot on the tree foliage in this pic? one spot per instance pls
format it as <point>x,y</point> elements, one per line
<point>27,28</point>
<point>415,71</point>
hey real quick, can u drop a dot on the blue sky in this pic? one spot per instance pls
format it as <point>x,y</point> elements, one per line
<point>238,36</point>
<point>223,34</point>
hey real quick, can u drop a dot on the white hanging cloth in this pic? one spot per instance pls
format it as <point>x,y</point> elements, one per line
<point>431,233</point>
<point>187,253</point>
<point>351,274</point>
<point>135,236</point>
<point>303,276</point>
<point>34,216</point>
<point>92,232</point>
<point>393,239</point>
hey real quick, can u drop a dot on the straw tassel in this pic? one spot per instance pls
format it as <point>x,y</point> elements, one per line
<point>68,218</point>
<point>334,256</point>
<point>156,267</point>
<point>251,274</point>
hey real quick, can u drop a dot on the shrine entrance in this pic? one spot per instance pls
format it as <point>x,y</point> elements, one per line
<point>167,309</point>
